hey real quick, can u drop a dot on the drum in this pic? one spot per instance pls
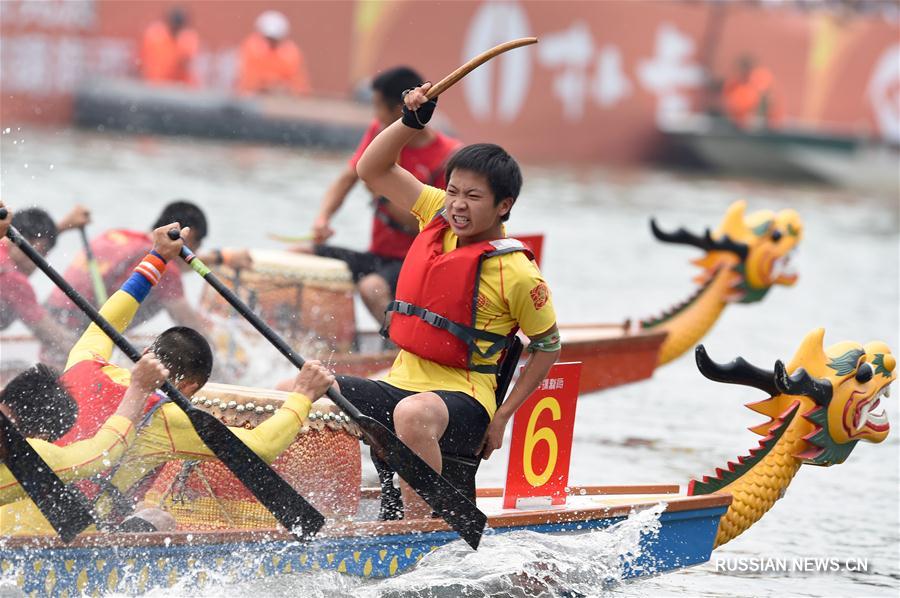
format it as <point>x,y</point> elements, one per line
<point>322,464</point>
<point>303,297</point>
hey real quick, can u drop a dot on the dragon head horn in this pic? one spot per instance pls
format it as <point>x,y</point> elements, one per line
<point>802,383</point>
<point>706,242</point>
<point>738,371</point>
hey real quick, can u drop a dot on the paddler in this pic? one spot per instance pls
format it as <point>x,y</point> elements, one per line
<point>166,433</point>
<point>18,300</point>
<point>118,251</point>
<point>464,289</point>
<point>375,271</point>
<point>42,410</point>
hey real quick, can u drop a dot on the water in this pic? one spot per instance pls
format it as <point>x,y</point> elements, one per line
<point>603,265</point>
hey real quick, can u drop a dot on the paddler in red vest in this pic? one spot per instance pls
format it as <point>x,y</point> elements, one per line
<point>393,229</point>
<point>18,300</point>
<point>464,288</point>
<point>118,251</point>
<point>166,432</point>
<point>168,50</point>
<point>269,61</point>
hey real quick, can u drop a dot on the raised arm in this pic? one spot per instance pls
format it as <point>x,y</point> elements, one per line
<point>120,309</point>
<point>378,165</point>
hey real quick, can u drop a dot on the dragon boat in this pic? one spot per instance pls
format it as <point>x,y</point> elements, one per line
<point>309,300</point>
<point>818,407</point>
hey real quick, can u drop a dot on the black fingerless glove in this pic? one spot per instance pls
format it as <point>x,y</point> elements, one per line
<point>419,118</point>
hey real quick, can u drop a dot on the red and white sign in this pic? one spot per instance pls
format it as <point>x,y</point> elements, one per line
<point>535,243</point>
<point>541,446</point>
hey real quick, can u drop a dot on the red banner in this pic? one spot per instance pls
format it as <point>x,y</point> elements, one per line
<point>541,446</point>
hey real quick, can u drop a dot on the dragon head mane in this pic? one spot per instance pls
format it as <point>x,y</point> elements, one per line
<point>837,391</point>
<point>757,247</point>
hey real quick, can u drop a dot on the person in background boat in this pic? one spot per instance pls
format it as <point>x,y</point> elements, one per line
<point>42,410</point>
<point>118,251</point>
<point>464,290</point>
<point>750,97</point>
<point>18,300</point>
<point>269,62</point>
<point>165,433</point>
<point>393,229</point>
<point>168,49</point>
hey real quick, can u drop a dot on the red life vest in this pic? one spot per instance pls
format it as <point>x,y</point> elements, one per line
<point>437,299</point>
<point>97,395</point>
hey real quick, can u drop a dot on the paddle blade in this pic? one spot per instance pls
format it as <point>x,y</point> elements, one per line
<point>286,505</point>
<point>65,508</point>
<point>442,496</point>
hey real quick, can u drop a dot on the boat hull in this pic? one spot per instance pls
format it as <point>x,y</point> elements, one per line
<point>135,563</point>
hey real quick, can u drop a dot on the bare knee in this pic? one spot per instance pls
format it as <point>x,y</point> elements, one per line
<point>373,286</point>
<point>422,415</point>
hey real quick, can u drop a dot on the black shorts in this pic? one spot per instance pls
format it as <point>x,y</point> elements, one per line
<point>377,399</point>
<point>363,263</point>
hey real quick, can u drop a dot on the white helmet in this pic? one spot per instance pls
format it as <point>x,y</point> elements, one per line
<point>272,24</point>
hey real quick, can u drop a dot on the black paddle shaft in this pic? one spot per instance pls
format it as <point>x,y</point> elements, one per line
<point>65,508</point>
<point>442,496</point>
<point>279,497</point>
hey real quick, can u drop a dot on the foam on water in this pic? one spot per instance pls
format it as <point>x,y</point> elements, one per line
<point>516,564</point>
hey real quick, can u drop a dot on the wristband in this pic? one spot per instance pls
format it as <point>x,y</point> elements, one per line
<point>417,119</point>
<point>548,344</point>
<point>145,276</point>
<point>152,267</point>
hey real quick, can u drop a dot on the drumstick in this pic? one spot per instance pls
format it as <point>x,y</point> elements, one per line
<point>451,79</point>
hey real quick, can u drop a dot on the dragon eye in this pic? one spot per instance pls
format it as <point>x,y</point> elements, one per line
<point>864,373</point>
<point>776,235</point>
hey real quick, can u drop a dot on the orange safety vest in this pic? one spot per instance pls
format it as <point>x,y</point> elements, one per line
<point>264,68</point>
<point>166,58</point>
<point>437,299</point>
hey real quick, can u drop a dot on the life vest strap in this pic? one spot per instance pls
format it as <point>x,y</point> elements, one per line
<point>467,334</point>
<point>389,220</point>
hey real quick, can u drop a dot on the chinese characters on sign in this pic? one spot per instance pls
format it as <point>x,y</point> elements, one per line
<point>585,70</point>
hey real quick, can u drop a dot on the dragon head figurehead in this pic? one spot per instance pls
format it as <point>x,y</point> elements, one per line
<point>819,406</point>
<point>836,392</point>
<point>757,247</point>
<point>846,382</point>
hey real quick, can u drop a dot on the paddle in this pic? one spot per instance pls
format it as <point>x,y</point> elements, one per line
<point>100,295</point>
<point>285,504</point>
<point>441,495</point>
<point>65,508</point>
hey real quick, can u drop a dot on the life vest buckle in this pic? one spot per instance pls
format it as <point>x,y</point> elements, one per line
<point>435,319</point>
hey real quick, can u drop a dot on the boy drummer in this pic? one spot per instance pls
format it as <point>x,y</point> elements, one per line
<point>464,289</point>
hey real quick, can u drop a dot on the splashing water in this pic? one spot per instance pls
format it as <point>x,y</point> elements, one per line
<point>517,564</point>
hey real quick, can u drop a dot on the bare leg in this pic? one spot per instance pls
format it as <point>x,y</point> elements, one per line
<point>376,294</point>
<point>420,421</point>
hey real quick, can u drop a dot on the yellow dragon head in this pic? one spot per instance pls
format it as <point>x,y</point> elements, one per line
<point>837,392</point>
<point>757,247</point>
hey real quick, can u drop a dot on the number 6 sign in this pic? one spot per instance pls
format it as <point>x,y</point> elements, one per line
<point>541,446</point>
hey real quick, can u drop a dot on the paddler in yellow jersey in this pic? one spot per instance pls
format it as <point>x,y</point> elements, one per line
<point>464,289</point>
<point>167,433</point>
<point>42,410</point>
